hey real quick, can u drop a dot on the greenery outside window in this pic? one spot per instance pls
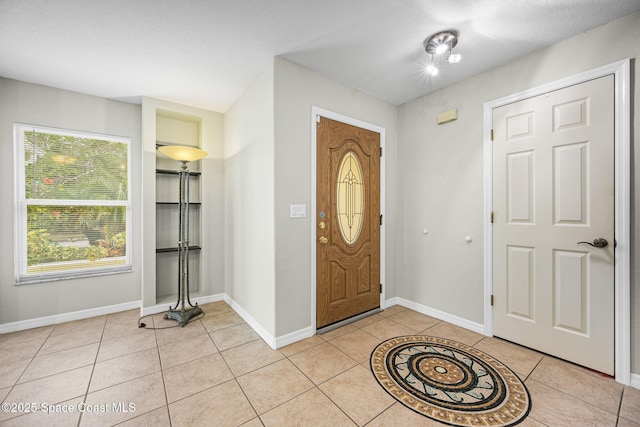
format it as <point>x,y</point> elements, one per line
<point>72,204</point>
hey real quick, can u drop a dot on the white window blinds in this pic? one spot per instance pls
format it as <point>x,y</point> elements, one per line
<point>72,203</point>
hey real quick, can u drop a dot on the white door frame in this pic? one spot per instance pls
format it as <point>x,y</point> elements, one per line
<point>622,180</point>
<point>315,112</point>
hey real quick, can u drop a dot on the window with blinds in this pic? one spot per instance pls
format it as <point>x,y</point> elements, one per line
<point>72,204</point>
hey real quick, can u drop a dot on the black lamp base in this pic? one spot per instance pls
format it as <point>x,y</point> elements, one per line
<point>183,316</point>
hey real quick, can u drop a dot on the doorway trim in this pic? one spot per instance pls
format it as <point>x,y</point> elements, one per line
<point>315,112</point>
<point>622,181</point>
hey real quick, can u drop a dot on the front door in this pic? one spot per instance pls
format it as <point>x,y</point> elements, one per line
<point>348,221</point>
<point>553,231</point>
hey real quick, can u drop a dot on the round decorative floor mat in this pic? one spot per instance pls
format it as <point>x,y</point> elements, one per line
<point>450,382</point>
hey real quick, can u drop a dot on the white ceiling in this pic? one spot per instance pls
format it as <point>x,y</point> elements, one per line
<point>204,53</point>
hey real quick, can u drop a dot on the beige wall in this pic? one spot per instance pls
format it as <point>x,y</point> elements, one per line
<point>40,105</point>
<point>268,167</point>
<point>297,90</point>
<point>441,172</point>
<point>249,202</point>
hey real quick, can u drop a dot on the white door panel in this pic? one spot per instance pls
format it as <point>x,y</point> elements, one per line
<point>553,186</point>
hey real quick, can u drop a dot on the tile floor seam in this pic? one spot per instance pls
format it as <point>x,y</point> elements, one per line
<point>577,397</point>
<point>301,371</point>
<point>126,354</point>
<point>93,368</point>
<point>287,401</point>
<point>336,404</point>
<point>235,378</point>
<point>284,403</point>
<point>238,345</point>
<point>620,403</point>
<point>573,397</point>
<point>164,384</point>
<point>534,368</point>
<point>17,381</point>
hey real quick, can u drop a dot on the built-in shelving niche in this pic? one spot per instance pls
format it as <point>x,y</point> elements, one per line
<point>176,129</point>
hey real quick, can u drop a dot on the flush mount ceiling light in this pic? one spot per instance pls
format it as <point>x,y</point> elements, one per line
<point>439,47</point>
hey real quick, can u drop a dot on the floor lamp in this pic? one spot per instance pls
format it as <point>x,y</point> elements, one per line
<point>184,155</point>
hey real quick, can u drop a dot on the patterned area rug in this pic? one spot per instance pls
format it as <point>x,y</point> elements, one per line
<point>450,382</point>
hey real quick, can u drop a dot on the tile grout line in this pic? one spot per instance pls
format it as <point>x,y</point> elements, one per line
<point>164,384</point>
<point>24,370</point>
<point>93,368</point>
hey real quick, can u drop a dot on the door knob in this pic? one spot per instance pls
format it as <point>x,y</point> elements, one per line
<point>323,240</point>
<point>597,243</point>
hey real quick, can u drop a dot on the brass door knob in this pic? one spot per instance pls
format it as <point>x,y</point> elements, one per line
<point>323,240</point>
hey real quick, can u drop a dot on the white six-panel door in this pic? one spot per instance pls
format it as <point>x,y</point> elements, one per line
<point>553,187</point>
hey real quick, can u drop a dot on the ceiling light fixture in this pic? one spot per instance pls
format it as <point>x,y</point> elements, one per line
<point>439,47</point>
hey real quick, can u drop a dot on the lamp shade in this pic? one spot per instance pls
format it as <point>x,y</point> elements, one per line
<point>182,153</point>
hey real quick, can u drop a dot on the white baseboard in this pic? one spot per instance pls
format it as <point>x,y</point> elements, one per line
<point>93,312</point>
<point>635,381</point>
<point>67,317</point>
<point>295,336</point>
<point>441,315</point>
<point>391,302</point>
<point>257,327</point>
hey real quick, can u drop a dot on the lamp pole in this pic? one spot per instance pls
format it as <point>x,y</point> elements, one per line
<point>184,155</point>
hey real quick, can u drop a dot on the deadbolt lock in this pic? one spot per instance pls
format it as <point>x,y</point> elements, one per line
<point>322,225</point>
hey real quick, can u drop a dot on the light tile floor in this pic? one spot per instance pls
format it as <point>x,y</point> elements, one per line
<point>218,372</point>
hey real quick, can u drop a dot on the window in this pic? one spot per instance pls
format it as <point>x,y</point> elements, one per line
<point>72,204</point>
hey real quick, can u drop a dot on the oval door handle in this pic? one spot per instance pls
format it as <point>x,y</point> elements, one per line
<point>323,240</point>
<point>597,243</point>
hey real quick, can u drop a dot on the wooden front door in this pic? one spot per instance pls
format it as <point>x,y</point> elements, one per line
<point>553,189</point>
<point>348,221</point>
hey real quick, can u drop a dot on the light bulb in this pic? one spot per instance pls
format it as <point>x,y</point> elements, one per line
<point>454,58</point>
<point>441,48</point>
<point>432,70</point>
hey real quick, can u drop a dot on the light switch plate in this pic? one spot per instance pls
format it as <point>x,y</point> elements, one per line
<point>298,211</point>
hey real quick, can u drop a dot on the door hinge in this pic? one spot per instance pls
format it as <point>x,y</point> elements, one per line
<point>380,219</point>
<point>491,300</point>
<point>380,287</point>
<point>491,217</point>
<point>491,135</point>
<point>380,151</point>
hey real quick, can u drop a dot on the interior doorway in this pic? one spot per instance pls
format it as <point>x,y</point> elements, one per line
<point>553,216</point>
<point>621,193</point>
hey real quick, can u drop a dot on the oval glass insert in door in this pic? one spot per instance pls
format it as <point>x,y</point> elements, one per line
<point>350,198</point>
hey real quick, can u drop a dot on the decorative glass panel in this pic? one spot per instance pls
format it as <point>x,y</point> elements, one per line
<point>350,198</point>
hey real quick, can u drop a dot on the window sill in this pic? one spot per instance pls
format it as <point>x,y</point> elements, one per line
<point>78,274</point>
